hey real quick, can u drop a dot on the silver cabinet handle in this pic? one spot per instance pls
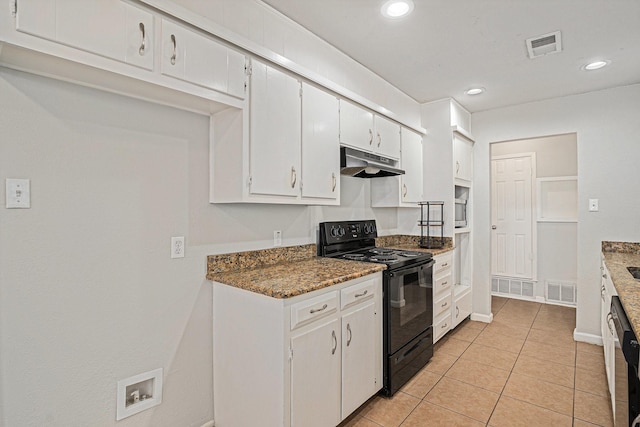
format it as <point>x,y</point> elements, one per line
<point>457,312</point>
<point>604,275</point>
<point>457,166</point>
<point>294,176</point>
<point>445,304</point>
<point>493,227</point>
<point>175,49</point>
<point>444,326</point>
<point>143,44</point>
<point>379,138</point>
<point>362,294</point>
<point>334,182</point>
<point>370,137</point>
<point>444,283</point>
<point>444,264</point>
<point>349,330</point>
<point>315,310</point>
<point>404,194</point>
<point>335,342</point>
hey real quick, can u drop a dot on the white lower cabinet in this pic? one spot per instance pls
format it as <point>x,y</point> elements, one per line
<point>442,297</point>
<point>309,360</point>
<point>461,308</point>
<point>607,329</point>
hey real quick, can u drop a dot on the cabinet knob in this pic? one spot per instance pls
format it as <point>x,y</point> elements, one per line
<point>493,227</point>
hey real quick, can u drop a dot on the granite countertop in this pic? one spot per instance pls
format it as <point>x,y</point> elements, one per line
<point>411,243</point>
<point>617,257</point>
<point>284,272</point>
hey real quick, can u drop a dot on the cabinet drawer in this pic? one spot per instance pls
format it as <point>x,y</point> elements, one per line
<point>441,326</point>
<point>443,263</point>
<point>442,305</point>
<point>357,293</point>
<point>314,308</point>
<point>442,284</point>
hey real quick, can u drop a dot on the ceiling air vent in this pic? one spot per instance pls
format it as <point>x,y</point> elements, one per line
<point>544,45</point>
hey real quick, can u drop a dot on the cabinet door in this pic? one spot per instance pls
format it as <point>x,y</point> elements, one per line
<point>274,151</point>
<point>411,162</point>
<point>320,144</point>
<point>461,308</point>
<point>356,126</point>
<point>359,380</point>
<point>195,58</point>
<point>387,138</point>
<point>463,158</point>
<point>315,376</point>
<point>109,28</point>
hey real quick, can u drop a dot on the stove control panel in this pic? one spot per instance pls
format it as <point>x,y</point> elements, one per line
<point>346,231</point>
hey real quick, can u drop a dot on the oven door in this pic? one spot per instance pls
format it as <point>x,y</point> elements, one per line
<point>409,303</point>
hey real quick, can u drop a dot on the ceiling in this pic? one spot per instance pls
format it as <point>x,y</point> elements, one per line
<point>447,46</point>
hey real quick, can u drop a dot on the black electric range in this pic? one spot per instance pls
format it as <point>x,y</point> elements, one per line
<point>407,295</point>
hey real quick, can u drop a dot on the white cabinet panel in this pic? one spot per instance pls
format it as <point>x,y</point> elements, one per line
<point>356,126</point>
<point>315,376</point>
<point>109,28</point>
<point>320,144</point>
<point>411,163</point>
<point>463,158</point>
<point>461,305</point>
<point>359,373</point>
<point>198,59</point>
<point>275,120</point>
<point>442,294</point>
<point>387,138</point>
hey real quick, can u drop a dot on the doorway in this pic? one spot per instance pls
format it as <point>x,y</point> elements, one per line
<point>534,212</point>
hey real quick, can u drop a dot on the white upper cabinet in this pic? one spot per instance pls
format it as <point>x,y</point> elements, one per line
<point>387,137</point>
<point>320,145</point>
<point>110,28</point>
<point>404,190</point>
<point>198,59</point>
<point>356,126</point>
<point>463,158</point>
<point>360,128</point>
<point>411,162</point>
<point>275,120</point>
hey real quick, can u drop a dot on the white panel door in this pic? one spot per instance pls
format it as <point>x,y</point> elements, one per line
<point>320,144</point>
<point>387,138</point>
<point>512,251</point>
<point>358,361</point>
<point>315,376</point>
<point>275,121</point>
<point>356,126</point>
<point>411,163</point>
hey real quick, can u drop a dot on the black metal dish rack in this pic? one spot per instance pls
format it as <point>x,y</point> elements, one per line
<point>431,216</point>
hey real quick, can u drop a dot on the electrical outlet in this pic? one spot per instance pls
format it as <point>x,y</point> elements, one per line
<point>177,247</point>
<point>593,205</point>
<point>277,238</point>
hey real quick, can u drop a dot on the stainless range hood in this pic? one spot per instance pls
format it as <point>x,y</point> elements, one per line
<point>366,165</point>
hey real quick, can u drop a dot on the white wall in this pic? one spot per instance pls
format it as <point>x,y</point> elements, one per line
<point>607,127</point>
<point>557,242</point>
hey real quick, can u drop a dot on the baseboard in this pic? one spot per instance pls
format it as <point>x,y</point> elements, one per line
<point>209,424</point>
<point>482,317</point>
<point>588,338</point>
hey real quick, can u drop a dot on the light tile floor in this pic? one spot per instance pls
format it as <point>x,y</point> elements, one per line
<point>524,369</point>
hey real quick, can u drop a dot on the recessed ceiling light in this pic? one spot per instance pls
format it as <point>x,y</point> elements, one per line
<point>474,91</point>
<point>596,65</point>
<point>397,8</point>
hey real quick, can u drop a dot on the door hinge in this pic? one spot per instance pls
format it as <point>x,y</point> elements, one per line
<point>290,353</point>
<point>300,92</point>
<point>247,68</point>
<point>249,181</point>
<point>14,7</point>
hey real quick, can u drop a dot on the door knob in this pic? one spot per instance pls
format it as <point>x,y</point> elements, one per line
<point>493,227</point>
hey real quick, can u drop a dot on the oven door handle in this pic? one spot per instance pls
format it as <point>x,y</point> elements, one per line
<point>412,269</point>
<point>411,350</point>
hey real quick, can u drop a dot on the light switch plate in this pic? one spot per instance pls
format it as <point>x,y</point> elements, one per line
<point>18,193</point>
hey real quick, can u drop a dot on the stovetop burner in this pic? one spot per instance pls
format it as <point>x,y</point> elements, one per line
<point>355,257</point>
<point>382,251</point>
<point>383,258</point>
